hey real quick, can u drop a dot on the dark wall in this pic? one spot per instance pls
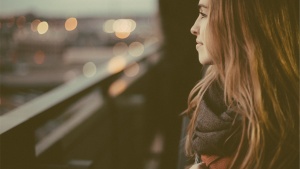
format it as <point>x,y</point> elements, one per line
<point>181,70</point>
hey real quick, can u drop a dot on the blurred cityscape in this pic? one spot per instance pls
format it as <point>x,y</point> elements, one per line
<point>40,53</point>
<point>95,84</point>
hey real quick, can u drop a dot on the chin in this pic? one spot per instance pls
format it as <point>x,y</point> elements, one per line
<point>205,62</point>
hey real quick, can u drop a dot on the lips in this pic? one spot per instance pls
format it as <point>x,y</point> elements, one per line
<point>198,42</point>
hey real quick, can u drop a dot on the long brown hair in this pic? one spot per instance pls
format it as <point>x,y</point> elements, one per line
<point>255,53</point>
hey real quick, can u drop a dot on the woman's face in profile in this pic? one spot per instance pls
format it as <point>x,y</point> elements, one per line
<point>199,29</point>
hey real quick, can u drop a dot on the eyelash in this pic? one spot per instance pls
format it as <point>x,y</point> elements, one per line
<point>203,15</point>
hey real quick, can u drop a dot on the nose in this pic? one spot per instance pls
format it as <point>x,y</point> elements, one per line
<point>195,29</point>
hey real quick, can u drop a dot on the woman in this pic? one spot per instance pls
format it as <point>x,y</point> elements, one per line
<point>245,110</point>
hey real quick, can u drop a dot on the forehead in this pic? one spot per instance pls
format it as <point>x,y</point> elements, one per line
<point>204,2</point>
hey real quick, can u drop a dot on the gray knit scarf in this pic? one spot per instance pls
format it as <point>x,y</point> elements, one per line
<point>218,130</point>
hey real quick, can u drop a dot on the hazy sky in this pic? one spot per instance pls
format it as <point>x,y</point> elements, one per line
<point>66,8</point>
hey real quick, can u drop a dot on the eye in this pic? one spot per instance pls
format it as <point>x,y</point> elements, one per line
<point>202,15</point>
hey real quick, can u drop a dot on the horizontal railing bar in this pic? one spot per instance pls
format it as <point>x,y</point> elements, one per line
<point>52,98</point>
<point>85,109</point>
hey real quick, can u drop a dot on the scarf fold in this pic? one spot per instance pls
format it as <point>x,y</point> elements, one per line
<point>217,129</point>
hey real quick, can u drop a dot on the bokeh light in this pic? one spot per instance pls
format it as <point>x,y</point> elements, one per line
<point>120,48</point>
<point>123,27</point>
<point>34,25</point>
<point>117,87</point>
<point>43,27</point>
<point>116,64</point>
<point>133,24</point>
<point>39,57</point>
<point>71,24</point>
<point>89,69</point>
<point>122,35</point>
<point>136,49</point>
<point>21,21</point>
<point>108,26</point>
<point>133,70</point>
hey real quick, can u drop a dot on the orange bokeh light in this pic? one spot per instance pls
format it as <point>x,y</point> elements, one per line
<point>117,87</point>
<point>71,24</point>
<point>39,57</point>
<point>21,21</point>
<point>122,35</point>
<point>116,64</point>
<point>34,25</point>
<point>133,70</point>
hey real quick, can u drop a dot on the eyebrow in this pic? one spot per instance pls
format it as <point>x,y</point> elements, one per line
<point>202,6</point>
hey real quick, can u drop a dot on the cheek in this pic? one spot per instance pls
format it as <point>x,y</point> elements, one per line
<point>212,45</point>
<point>203,32</point>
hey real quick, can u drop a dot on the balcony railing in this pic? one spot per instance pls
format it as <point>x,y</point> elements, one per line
<point>42,133</point>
